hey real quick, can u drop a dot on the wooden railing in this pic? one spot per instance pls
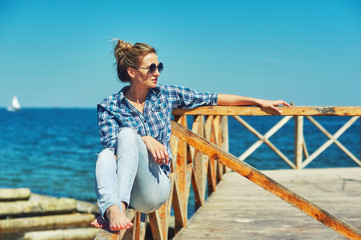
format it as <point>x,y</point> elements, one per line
<point>199,155</point>
<point>302,157</point>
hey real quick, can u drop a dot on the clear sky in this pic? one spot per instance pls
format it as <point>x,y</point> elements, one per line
<point>58,53</point>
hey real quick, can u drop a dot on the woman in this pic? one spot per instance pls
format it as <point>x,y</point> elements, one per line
<point>135,128</point>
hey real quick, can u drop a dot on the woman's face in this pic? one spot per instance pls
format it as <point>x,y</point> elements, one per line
<point>142,76</point>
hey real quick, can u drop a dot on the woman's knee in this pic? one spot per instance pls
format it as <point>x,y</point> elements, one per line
<point>105,154</point>
<point>127,134</point>
<point>105,161</point>
<point>127,142</point>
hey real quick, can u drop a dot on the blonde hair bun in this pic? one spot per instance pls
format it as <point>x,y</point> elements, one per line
<point>120,48</point>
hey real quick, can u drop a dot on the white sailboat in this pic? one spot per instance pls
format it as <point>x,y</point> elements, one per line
<point>15,105</point>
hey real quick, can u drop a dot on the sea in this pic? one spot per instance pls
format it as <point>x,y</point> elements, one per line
<point>53,151</point>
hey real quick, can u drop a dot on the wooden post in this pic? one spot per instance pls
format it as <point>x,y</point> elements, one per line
<point>298,141</point>
<point>200,164</point>
<point>225,138</point>
<point>181,188</point>
<point>225,135</point>
<point>212,166</point>
<point>219,140</point>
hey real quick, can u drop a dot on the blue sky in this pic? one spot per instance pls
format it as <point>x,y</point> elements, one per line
<point>58,53</point>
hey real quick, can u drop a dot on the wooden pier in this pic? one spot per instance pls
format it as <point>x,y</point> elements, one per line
<point>240,209</point>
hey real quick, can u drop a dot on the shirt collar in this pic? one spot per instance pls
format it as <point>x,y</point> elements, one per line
<point>152,94</point>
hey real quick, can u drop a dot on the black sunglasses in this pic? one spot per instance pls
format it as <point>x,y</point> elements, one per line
<point>152,68</point>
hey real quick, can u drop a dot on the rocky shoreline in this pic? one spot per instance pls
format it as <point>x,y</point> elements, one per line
<point>28,216</point>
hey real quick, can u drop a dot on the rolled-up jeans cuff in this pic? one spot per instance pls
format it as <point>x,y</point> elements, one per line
<point>104,208</point>
<point>125,201</point>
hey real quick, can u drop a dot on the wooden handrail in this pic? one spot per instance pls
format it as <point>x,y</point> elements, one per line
<point>263,181</point>
<point>256,111</point>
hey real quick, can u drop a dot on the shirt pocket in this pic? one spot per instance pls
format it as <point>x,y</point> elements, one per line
<point>159,107</point>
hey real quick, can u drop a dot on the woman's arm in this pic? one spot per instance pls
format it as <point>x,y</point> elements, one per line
<point>234,100</point>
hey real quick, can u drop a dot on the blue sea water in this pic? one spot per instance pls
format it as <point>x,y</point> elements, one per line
<point>53,151</point>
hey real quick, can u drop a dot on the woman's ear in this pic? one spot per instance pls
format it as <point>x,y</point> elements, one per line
<point>131,72</point>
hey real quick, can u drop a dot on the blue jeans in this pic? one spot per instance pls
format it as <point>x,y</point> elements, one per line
<point>134,178</point>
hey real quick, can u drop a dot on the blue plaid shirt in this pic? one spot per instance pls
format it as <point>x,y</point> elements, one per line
<point>115,113</point>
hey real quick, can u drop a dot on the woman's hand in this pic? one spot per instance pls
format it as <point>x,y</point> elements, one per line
<point>158,150</point>
<point>272,104</point>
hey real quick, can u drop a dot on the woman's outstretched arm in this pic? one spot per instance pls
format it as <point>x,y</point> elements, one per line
<point>235,100</point>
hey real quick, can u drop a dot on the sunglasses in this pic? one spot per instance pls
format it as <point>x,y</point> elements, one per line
<point>152,68</point>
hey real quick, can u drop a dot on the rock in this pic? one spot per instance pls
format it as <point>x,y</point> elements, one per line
<point>23,208</point>
<point>12,194</point>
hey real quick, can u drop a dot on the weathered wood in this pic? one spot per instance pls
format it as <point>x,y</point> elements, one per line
<point>265,182</point>
<point>225,134</point>
<point>179,215</point>
<point>304,147</point>
<point>212,166</point>
<point>225,139</point>
<point>61,205</point>
<point>200,165</point>
<point>299,141</point>
<point>160,219</point>
<point>139,228</point>
<point>332,139</point>
<point>264,139</point>
<point>11,194</point>
<point>156,226</point>
<point>62,234</point>
<point>46,222</point>
<point>106,234</point>
<point>219,141</point>
<point>180,196</point>
<point>248,212</point>
<point>180,202</point>
<point>256,111</point>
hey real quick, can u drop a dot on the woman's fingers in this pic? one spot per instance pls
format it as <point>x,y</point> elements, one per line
<point>276,109</point>
<point>285,104</point>
<point>158,150</point>
<point>162,156</point>
<point>275,105</point>
<point>167,158</point>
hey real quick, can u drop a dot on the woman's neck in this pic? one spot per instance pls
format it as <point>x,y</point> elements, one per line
<point>136,95</point>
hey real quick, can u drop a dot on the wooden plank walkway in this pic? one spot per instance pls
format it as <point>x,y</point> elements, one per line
<point>240,209</point>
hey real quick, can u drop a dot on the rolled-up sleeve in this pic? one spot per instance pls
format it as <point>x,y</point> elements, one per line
<point>182,97</point>
<point>108,128</point>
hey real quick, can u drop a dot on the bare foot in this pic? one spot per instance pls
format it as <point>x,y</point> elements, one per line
<point>99,222</point>
<point>117,219</point>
